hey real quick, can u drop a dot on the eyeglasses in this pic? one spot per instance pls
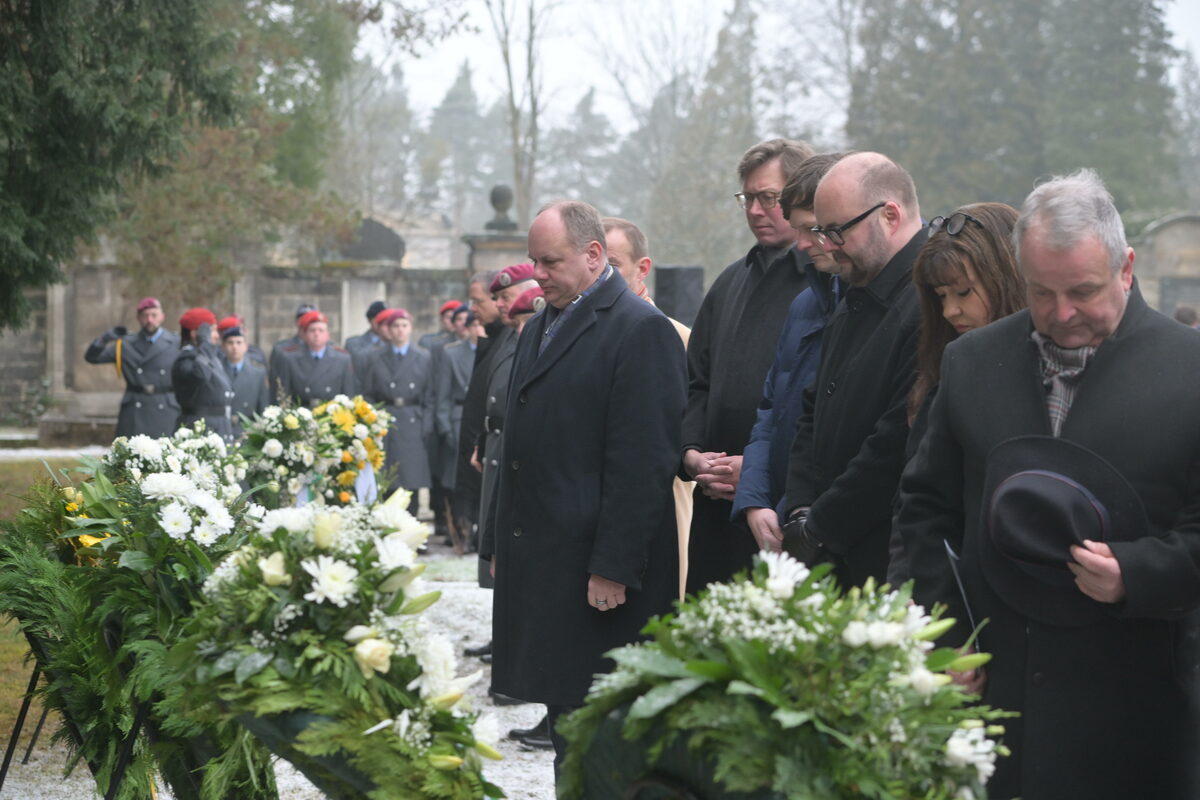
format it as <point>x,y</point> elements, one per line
<point>834,232</point>
<point>766,200</point>
<point>953,223</point>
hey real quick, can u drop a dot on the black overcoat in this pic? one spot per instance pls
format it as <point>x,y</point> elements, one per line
<point>202,389</point>
<point>728,354</point>
<point>848,453</point>
<point>468,483</point>
<point>591,445</point>
<point>1109,709</point>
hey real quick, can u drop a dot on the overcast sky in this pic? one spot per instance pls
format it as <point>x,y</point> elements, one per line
<point>571,55</point>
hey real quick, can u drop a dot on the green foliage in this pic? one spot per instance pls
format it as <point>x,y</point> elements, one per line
<point>782,683</point>
<point>979,100</point>
<point>92,91</point>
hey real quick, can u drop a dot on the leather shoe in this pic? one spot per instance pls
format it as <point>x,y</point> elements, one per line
<point>487,659</point>
<point>476,652</point>
<point>505,700</point>
<point>539,742</point>
<point>540,729</point>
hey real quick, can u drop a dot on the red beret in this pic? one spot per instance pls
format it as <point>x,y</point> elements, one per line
<point>148,302</point>
<point>309,317</point>
<point>449,305</point>
<point>193,318</point>
<point>510,275</point>
<point>530,301</point>
<point>232,321</point>
<point>388,314</point>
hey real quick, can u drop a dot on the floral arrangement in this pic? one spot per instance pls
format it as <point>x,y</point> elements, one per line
<point>101,576</point>
<point>286,454</point>
<point>782,683</point>
<point>357,430</point>
<point>319,614</point>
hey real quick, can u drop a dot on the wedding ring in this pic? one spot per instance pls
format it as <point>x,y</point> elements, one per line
<point>601,602</point>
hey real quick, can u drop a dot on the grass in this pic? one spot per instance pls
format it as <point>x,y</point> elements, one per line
<point>15,479</point>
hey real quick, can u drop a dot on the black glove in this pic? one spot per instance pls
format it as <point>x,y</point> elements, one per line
<point>800,543</point>
<point>112,334</point>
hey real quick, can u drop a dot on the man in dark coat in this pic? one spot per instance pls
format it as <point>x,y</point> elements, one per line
<point>318,371</point>
<point>198,374</point>
<point>249,380</point>
<point>584,548</point>
<point>1104,670</point>
<point>399,376</point>
<point>764,462</point>
<point>845,462</point>
<point>144,360</point>
<point>728,356</point>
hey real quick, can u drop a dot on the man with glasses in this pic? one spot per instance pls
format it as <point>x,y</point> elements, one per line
<point>846,459</point>
<point>729,353</point>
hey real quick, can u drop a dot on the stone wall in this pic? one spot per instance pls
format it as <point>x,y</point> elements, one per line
<point>25,388</point>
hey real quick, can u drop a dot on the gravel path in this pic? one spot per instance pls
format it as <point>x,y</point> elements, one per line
<point>464,613</point>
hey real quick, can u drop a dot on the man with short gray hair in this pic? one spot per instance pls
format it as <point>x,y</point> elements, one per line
<point>1062,465</point>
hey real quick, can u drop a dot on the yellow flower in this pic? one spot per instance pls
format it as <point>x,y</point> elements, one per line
<point>91,541</point>
<point>345,420</point>
<point>377,459</point>
<point>370,417</point>
<point>362,407</point>
<point>347,457</point>
<point>72,507</point>
<point>72,495</point>
<point>347,478</point>
<point>291,422</point>
<point>319,410</point>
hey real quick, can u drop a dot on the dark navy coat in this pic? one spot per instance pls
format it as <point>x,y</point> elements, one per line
<point>591,446</point>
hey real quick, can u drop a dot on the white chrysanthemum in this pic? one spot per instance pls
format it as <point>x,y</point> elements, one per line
<point>173,463</point>
<point>394,552</point>
<point>855,633</point>
<point>915,619</point>
<point>294,520</point>
<point>435,655</point>
<point>342,400</point>
<point>271,412</point>
<point>145,448</point>
<point>361,432</point>
<point>783,573</point>
<point>175,520</point>
<point>159,485</point>
<point>203,473</point>
<point>304,413</point>
<point>333,580</point>
<point>272,448</point>
<point>136,473</point>
<point>255,511</point>
<point>215,441</point>
<point>970,747</point>
<point>183,433</point>
<point>205,533</point>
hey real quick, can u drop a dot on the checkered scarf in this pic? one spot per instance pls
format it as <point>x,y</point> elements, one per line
<point>1062,370</point>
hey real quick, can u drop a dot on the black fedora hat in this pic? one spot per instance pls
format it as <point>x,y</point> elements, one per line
<point>1040,496</point>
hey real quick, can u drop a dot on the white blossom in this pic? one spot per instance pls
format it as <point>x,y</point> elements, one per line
<point>294,520</point>
<point>333,580</point>
<point>855,633</point>
<point>145,448</point>
<point>205,533</point>
<point>175,520</point>
<point>783,573</point>
<point>884,634</point>
<point>272,448</point>
<point>970,747</point>
<point>158,485</point>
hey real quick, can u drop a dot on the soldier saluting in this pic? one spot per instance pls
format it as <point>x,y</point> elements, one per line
<point>143,359</point>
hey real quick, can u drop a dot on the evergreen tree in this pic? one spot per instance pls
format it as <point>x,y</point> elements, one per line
<point>1188,127</point>
<point>578,156</point>
<point>451,151</point>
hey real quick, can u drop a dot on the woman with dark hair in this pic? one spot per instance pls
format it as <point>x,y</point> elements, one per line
<point>966,277</point>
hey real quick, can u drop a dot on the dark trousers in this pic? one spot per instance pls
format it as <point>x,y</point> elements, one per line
<point>560,744</point>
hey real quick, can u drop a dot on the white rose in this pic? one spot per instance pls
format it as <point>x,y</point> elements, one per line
<point>272,448</point>
<point>373,655</point>
<point>274,571</point>
<point>326,526</point>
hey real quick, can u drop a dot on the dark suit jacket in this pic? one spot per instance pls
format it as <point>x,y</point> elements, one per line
<point>591,445</point>
<point>1108,710</point>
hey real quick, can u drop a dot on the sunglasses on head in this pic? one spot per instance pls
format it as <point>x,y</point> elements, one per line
<point>953,224</point>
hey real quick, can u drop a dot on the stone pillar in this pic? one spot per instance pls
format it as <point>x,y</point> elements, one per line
<point>678,291</point>
<point>502,244</point>
<point>357,296</point>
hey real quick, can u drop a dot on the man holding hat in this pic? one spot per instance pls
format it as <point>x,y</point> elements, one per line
<point>317,371</point>
<point>249,380</point>
<point>201,385</point>
<point>143,360</point>
<point>398,375</point>
<point>1062,466</point>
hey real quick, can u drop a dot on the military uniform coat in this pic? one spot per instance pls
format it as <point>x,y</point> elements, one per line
<point>148,406</point>
<point>311,381</point>
<point>1108,710</point>
<point>275,365</point>
<point>491,440</point>
<point>203,389</point>
<point>591,444</point>
<point>450,390</point>
<point>468,482</point>
<point>250,393</point>
<point>403,384</point>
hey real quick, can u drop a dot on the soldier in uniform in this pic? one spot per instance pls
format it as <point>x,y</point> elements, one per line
<point>144,360</point>
<point>318,370</point>
<point>292,344</point>
<point>367,341</point>
<point>399,376</point>
<point>249,380</point>
<point>201,385</point>
<point>451,379</point>
<point>254,353</point>
<point>431,341</point>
